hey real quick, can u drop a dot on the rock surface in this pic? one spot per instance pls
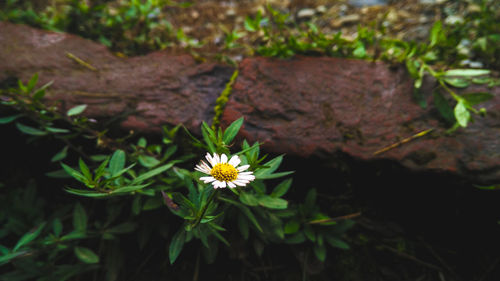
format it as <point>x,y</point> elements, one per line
<point>311,106</point>
<point>305,106</point>
<point>159,88</point>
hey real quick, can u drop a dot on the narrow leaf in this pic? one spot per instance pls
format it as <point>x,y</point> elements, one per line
<point>443,106</point>
<point>320,252</point>
<point>60,155</point>
<point>232,130</point>
<point>336,243</point>
<point>74,173</point>
<point>28,237</point>
<point>292,227</point>
<point>462,114</point>
<point>76,110</point>
<point>57,130</point>
<point>248,199</point>
<point>153,173</point>
<point>79,218</point>
<point>282,188</point>
<point>176,245</point>
<point>466,72</point>
<point>30,130</point>
<point>273,203</point>
<point>477,98</point>
<point>117,162</point>
<point>84,169</point>
<point>8,119</point>
<point>86,255</point>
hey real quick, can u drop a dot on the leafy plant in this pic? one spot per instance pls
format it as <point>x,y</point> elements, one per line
<point>144,177</point>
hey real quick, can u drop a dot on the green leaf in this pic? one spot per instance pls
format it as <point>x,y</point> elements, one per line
<point>436,33</point>
<point>176,245</point>
<point>60,155</point>
<point>269,167</point>
<point>443,106</point>
<point>462,114</point>
<point>337,243</point>
<point>248,199</point>
<point>320,252</point>
<point>310,201</point>
<point>477,98</point>
<point>152,203</point>
<point>76,110</point>
<point>245,210</point>
<point>117,162</point>
<point>99,172</point>
<point>209,137</point>
<point>232,130</point>
<point>57,130</point>
<point>129,188</point>
<point>79,218</point>
<point>30,130</point>
<point>243,226</point>
<point>148,161</point>
<point>32,83</point>
<point>57,227</point>
<point>457,82</point>
<point>275,175</point>
<point>6,258</point>
<point>86,255</point>
<point>272,202</point>
<point>8,119</point>
<point>153,173</point>
<point>292,227</point>
<point>28,237</point>
<point>86,193</point>
<point>74,173</point>
<point>309,232</point>
<point>73,235</point>
<point>297,238</point>
<point>466,72</point>
<point>282,188</point>
<point>84,169</point>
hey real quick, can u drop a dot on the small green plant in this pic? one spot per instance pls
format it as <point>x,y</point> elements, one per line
<point>235,191</point>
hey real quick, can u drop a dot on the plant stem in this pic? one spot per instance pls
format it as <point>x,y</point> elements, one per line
<point>204,210</point>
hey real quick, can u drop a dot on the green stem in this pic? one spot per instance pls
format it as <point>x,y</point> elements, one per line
<point>204,210</point>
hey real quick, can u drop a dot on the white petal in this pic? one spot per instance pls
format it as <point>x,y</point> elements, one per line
<point>210,159</point>
<point>246,177</point>
<point>223,184</point>
<point>203,167</point>
<point>245,173</point>
<point>223,158</point>
<point>216,184</point>
<point>235,161</point>
<point>243,168</point>
<point>240,183</point>
<point>207,179</point>
<point>231,185</point>
<point>216,159</point>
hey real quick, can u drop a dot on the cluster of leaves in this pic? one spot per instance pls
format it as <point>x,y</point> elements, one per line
<point>53,245</point>
<point>278,36</point>
<point>148,177</point>
<point>419,59</point>
<point>132,26</point>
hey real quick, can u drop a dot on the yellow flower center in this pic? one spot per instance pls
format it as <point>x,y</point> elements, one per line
<point>224,172</point>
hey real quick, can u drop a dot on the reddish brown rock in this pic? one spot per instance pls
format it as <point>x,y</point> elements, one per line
<point>157,89</point>
<point>306,106</point>
<point>321,106</point>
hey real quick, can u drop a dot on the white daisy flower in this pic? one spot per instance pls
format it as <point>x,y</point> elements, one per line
<point>223,172</point>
